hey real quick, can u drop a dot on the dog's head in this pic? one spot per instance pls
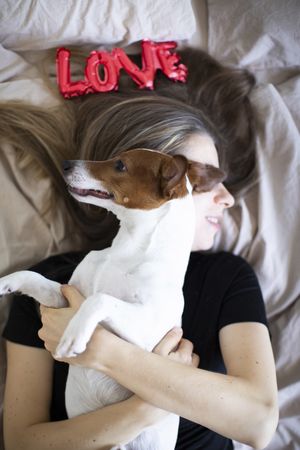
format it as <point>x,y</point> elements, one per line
<point>137,179</point>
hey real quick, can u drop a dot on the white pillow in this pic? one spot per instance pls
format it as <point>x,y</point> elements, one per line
<point>40,25</point>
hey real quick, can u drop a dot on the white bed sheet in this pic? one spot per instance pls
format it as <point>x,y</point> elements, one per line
<point>263,227</point>
<point>264,37</point>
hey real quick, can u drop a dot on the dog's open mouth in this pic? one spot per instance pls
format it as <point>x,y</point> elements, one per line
<point>93,192</point>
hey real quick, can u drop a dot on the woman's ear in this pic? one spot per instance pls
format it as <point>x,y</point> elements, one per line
<point>172,173</point>
<point>203,177</point>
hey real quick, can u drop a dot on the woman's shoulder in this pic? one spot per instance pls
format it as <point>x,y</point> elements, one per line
<point>24,320</point>
<point>230,283</point>
<point>222,269</point>
<point>59,267</point>
<point>223,260</point>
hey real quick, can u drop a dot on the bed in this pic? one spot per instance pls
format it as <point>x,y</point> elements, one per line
<point>263,227</point>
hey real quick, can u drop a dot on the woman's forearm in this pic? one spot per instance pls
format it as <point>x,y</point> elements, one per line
<point>102,429</point>
<point>225,404</point>
<point>241,406</point>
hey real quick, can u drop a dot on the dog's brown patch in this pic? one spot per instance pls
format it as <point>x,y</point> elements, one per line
<point>144,179</point>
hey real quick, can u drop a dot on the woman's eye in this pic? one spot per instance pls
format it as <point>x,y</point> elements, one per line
<point>120,166</point>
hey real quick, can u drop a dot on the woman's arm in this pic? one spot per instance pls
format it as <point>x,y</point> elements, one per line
<point>29,390</point>
<point>241,405</point>
<point>27,404</point>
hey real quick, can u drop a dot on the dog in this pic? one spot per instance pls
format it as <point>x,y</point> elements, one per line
<point>134,287</point>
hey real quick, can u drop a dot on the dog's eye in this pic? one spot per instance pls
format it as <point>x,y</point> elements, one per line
<point>120,166</point>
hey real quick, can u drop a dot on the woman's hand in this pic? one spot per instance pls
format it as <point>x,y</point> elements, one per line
<point>178,349</point>
<point>55,322</point>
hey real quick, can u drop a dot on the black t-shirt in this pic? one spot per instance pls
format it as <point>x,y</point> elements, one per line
<point>219,289</point>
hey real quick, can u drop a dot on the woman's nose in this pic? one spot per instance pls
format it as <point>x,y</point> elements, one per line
<point>223,196</point>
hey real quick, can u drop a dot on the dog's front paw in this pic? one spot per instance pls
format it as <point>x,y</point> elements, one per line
<point>8,284</point>
<point>75,338</point>
<point>5,289</point>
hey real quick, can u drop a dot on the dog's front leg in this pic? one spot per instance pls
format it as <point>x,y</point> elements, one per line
<point>34,285</point>
<point>123,317</point>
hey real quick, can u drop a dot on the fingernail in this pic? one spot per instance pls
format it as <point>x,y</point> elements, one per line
<point>177,329</point>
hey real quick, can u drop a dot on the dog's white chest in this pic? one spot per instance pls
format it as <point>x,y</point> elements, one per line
<point>118,281</point>
<point>106,275</point>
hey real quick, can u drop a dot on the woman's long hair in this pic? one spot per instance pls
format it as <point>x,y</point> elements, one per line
<point>213,102</point>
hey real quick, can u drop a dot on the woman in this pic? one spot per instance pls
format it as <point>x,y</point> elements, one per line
<point>231,392</point>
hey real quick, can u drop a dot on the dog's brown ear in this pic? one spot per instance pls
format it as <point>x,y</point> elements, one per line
<point>172,173</point>
<point>203,177</point>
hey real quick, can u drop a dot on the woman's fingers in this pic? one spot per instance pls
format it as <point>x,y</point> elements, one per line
<point>184,352</point>
<point>195,360</point>
<point>74,297</point>
<point>169,342</point>
<point>55,320</point>
<point>43,309</point>
<point>71,294</point>
<point>177,348</point>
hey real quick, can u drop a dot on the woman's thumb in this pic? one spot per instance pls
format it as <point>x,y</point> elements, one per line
<point>72,295</point>
<point>169,342</point>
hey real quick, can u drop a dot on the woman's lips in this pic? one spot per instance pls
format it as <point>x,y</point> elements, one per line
<point>214,221</point>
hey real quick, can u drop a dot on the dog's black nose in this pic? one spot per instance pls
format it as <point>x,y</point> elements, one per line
<point>67,165</point>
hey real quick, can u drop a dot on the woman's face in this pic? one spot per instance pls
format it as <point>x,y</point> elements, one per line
<point>210,205</point>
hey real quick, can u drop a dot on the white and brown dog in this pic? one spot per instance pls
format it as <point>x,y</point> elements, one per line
<point>133,288</point>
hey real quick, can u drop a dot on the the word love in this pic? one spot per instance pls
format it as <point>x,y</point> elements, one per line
<point>155,55</point>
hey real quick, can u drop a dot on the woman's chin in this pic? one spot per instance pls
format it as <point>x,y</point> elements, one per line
<point>202,246</point>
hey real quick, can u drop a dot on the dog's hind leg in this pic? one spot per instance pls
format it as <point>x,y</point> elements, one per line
<point>34,285</point>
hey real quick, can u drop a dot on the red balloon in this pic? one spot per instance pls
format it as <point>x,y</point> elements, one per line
<point>169,61</point>
<point>67,87</point>
<point>111,74</point>
<point>155,56</point>
<point>144,77</point>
